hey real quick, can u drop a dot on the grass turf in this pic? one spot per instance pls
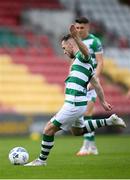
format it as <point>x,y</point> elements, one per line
<point>113,162</point>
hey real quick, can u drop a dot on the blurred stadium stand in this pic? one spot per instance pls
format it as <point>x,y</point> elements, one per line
<point>32,68</point>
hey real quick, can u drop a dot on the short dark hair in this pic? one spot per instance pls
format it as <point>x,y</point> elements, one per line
<point>66,37</point>
<point>81,20</point>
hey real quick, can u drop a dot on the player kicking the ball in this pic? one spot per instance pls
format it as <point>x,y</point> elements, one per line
<point>70,116</point>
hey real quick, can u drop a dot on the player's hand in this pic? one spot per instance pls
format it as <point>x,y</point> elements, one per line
<point>107,106</point>
<point>73,31</point>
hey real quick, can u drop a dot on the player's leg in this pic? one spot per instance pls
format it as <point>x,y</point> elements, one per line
<point>89,145</point>
<point>46,144</point>
<point>62,120</point>
<point>48,140</point>
<point>54,126</point>
<point>91,125</point>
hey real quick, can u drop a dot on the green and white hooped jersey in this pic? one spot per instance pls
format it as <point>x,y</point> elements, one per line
<point>81,72</point>
<point>94,46</point>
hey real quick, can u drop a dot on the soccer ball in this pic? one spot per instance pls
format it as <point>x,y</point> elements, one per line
<point>18,156</point>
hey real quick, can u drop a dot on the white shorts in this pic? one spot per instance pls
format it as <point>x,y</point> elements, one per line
<point>69,115</point>
<point>91,95</point>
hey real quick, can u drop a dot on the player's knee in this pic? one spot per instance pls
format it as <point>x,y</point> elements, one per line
<point>50,129</point>
<point>76,131</point>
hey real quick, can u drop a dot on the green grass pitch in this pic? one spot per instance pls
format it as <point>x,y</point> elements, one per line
<point>113,162</point>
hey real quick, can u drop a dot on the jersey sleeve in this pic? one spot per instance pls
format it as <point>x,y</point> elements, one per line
<point>97,46</point>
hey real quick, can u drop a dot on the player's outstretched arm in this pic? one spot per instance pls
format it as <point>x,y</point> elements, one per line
<point>99,90</point>
<point>82,47</point>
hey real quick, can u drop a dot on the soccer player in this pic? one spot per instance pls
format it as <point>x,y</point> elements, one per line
<point>70,116</point>
<point>95,49</point>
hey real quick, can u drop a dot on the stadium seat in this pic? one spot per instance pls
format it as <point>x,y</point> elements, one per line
<point>117,74</point>
<point>26,92</point>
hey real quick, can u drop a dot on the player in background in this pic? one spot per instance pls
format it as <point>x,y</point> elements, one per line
<point>95,49</point>
<point>70,116</point>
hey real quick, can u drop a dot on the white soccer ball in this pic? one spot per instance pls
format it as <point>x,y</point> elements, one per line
<point>18,156</point>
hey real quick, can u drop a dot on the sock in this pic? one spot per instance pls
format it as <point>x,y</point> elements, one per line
<point>47,144</point>
<point>89,136</point>
<point>91,125</point>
